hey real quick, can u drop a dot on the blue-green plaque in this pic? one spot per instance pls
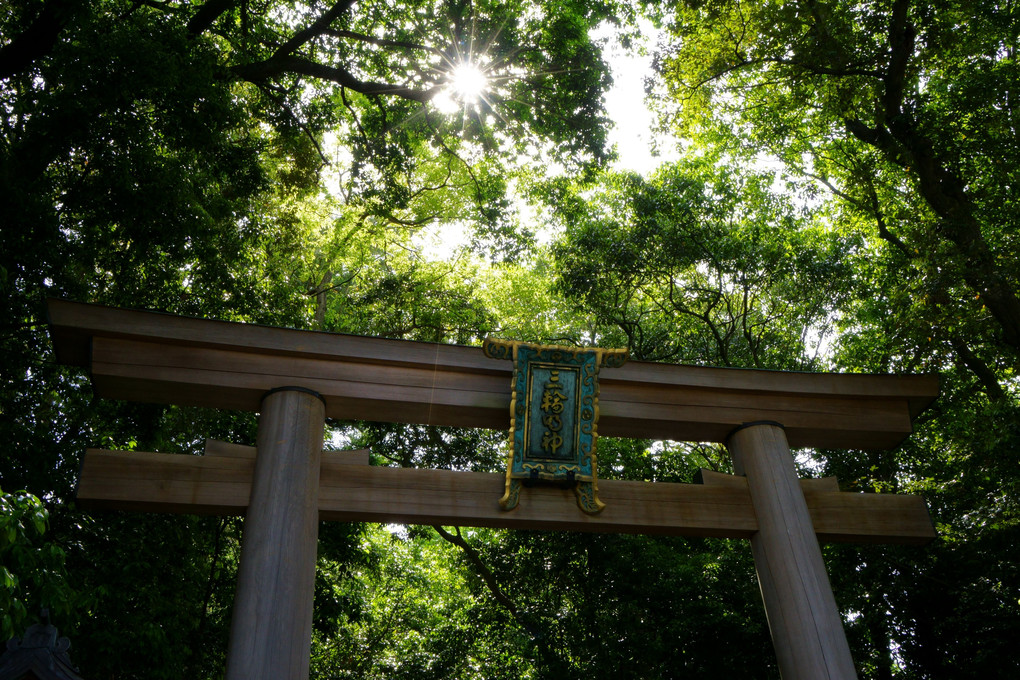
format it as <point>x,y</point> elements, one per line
<point>554,416</point>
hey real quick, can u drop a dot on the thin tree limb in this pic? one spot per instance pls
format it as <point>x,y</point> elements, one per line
<point>38,39</point>
<point>277,66</point>
<point>316,28</point>
<point>978,367</point>
<point>361,37</point>
<point>207,15</point>
<point>484,572</point>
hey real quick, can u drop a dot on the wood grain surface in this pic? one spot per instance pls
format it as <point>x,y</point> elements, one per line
<point>161,482</point>
<point>806,627</point>
<point>271,624</point>
<point>148,356</point>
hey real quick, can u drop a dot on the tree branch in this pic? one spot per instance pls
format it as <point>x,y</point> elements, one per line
<point>493,585</point>
<point>282,103</point>
<point>317,28</point>
<point>979,368</point>
<point>381,42</point>
<point>874,207</point>
<point>487,576</point>
<point>815,69</point>
<point>901,49</point>
<point>276,66</point>
<point>207,15</point>
<point>38,39</point>
<point>896,134</point>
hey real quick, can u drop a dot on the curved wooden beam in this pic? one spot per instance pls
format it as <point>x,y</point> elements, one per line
<point>154,357</point>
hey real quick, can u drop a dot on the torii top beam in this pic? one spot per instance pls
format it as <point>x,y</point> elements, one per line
<point>156,357</point>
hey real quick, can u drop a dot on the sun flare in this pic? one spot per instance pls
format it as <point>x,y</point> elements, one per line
<point>468,82</point>
<point>465,86</point>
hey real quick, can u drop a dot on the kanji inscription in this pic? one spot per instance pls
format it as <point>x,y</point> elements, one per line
<point>554,409</point>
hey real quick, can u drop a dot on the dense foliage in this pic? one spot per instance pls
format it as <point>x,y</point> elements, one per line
<point>285,162</point>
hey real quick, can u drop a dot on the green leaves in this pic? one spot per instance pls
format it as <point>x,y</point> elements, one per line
<point>701,263</point>
<point>878,103</point>
<point>172,155</point>
<point>898,112</point>
<point>32,574</point>
<point>401,611</point>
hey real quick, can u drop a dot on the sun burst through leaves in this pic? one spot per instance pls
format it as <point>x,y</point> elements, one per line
<point>466,86</point>
<point>468,82</point>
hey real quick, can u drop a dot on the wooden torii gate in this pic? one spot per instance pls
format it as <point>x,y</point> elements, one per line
<point>296,379</point>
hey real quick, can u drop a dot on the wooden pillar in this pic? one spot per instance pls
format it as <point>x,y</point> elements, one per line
<point>806,627</point>
<point>271,629</point>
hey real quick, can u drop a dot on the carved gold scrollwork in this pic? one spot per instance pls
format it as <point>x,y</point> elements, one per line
<point>511,494</point>
<point>588,497</point>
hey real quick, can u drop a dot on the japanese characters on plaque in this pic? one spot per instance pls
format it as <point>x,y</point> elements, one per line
<point>554,417</point>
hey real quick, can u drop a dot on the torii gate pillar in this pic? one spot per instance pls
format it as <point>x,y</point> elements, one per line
<point>271,629</point>
<point>806,627</point>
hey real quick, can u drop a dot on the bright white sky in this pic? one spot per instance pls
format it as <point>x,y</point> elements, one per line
<point>627,107</point>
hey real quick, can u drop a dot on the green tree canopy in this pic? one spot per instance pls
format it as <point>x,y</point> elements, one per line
<point>701,263</point>
<point>904,112</point>
<point>279,162</point>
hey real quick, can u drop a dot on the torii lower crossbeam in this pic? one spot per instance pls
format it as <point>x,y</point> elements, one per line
<point>350,489</point>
